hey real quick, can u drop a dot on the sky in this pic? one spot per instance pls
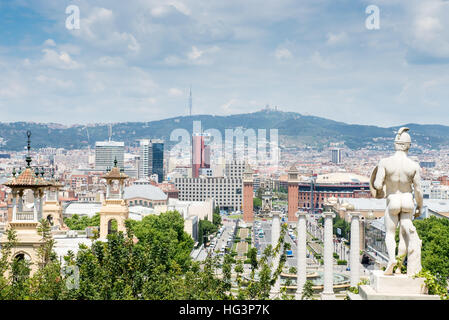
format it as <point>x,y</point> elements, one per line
<point>135,60</point>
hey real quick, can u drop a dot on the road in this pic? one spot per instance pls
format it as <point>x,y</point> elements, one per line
<point>266,240</point>
<point>229,226</point>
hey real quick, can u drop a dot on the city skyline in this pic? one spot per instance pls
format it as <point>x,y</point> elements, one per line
<point>138,63</point>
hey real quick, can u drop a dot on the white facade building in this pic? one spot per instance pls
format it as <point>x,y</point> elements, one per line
<point>106,152</point>
<point>227,192</point>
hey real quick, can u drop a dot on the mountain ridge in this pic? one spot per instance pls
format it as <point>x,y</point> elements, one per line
<point>309,130</point>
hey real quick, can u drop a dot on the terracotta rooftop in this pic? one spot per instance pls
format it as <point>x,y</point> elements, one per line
<point>28,179</point>
<point>115,174</point>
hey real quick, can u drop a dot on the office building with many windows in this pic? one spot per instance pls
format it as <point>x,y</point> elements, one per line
<point>151,159</point>
<point>108,151</point>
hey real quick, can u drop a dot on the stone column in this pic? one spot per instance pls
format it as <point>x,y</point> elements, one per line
<point>20,204</point>
<point>108,190</point>
<point>35,201</point>
<point>355,248</point>
<point>14,206</point>
<point>41,205</point>
<point>328,291</point>
<point>275,234</point>
<point>301,252</point>
<point>122,189</point>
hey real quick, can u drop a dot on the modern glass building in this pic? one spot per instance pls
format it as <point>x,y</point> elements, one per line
<point>151,159</point>
<point>157,152</point>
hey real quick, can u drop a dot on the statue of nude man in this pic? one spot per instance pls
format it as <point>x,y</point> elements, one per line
<point>398,178</point>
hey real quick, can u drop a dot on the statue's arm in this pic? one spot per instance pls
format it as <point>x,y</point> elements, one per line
<point>380,177</point>
<point>418,191</point>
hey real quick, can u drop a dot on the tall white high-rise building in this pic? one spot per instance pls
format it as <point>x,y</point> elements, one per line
<point>144,158</point>
<point>106,152</point>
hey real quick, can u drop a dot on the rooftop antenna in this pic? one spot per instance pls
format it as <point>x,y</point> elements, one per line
<point>190,101</point>
<point>110,132</point>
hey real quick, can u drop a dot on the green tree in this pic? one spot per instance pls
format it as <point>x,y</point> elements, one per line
<point>216,220</point>
<point>307,291</point>
<point>257,203</point>
<point>434,233</point>
<point>205,227</point>
<point>80,223</point>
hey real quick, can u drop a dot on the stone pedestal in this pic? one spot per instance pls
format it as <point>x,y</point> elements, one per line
<point>301,250</point>
<point>328,290</point>
<point>394,287</point>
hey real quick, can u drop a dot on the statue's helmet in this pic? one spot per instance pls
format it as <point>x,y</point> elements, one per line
<point>403,138</point>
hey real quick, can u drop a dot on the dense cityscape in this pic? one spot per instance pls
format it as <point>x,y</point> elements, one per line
<point>227,206</point>
<point>252,151</point>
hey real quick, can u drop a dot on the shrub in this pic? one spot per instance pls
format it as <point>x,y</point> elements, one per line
<point>342,262</point>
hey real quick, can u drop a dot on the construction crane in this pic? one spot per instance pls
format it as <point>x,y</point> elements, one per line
<point>88,138</point>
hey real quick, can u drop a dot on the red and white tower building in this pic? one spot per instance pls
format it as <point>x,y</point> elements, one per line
<point>248,195</point>
<point>200,153</point>
<point>293,195</point>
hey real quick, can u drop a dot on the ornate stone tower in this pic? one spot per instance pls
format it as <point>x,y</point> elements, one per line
<point>248,194</point>
<point>25,220</point>
<point>293,195</point>
<point>52,210</point>
<point>114,207</point>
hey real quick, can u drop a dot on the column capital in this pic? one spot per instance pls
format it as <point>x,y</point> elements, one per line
<point>300,213</point>
<point>355,214</point>
<point>275,213</point>
<point>328,214</point>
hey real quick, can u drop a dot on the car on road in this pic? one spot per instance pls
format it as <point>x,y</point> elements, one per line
<point>289,253</point>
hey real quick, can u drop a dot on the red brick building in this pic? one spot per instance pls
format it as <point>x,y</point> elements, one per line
<point>248,195</point>
<point>338,185</point>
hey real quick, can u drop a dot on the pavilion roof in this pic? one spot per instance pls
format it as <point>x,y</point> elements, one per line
<point>28,179</point>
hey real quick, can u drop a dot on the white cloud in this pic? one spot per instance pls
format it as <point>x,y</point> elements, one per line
<point>54,82</point>
<point>428,33</point>
<point>49,43</point>
<point>162,10</point>
<point>175,92</point>
<point>12,90</point>
<point>195,56</point>
<point>60,60</point>
<point>100,30</point>
<point>282,54</point>
<point>110,62</point>
<point>195,53</point>
<point>333,39</point>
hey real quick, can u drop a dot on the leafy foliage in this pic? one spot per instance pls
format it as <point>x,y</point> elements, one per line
<point>80,223</point>
<point>434,233</point>
<point>150,261</point>
<point>307,291</point>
